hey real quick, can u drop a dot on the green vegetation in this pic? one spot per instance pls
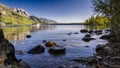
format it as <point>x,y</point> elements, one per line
<point>8,16</point>
<point>15,19</point>
<point>109,8</point>
<point>97,20</point>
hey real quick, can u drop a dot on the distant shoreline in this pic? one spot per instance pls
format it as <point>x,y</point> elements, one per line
<point>68,24</point>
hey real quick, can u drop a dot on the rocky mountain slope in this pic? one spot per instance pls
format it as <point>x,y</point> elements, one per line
<point>19,16</point>
<point>10,16</point>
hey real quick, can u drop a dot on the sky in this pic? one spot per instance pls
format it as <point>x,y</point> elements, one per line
<point>62,11</point>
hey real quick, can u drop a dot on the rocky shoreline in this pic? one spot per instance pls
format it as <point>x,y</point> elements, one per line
<point>106,56</point>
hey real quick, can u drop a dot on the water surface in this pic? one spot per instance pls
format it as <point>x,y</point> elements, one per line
<point>75,47</point>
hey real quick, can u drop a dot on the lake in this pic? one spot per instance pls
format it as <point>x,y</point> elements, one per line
<point>74,45</point>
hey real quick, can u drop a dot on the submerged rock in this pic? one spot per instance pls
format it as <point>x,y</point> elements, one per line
<point>37,50</point>
<point>50,44</point>
<point>64,40</point>
<point>87,46</point>
<point>76,32</point>
<point>57,50</point>
<point>24,65</point>
<point>69,33</point>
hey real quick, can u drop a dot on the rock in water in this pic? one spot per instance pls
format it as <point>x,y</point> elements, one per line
<point>84,31</point>
<point>37,50</point>
<point>28,36</point>
<point>105,37</point>
<point>87,39</point>
<point>1,34</point>
<point>50,44</point>
<point>76,32</point>
<point>90,31</point>
<point>44,41</point>
<point>87,35</point>
<point>57,50</point>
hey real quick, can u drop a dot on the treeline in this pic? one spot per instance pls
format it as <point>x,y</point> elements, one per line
<point>110,9</point>
<point>97,20</point>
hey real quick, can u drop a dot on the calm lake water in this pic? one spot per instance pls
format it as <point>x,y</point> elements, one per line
<point>75,47</point>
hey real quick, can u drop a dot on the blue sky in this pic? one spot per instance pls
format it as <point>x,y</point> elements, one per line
<point>59,10</point>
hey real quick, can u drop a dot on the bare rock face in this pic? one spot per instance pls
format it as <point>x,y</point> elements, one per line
<point>21,12</point>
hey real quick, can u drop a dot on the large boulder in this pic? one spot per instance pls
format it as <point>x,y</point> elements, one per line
<point>7,53</point>
<point>50,44</point>
<point>37,50</point>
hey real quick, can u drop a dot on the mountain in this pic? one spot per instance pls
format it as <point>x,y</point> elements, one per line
<point>47,21</point>
<point>12,16</point>
<point>19,16</point>
<point>42,20</point>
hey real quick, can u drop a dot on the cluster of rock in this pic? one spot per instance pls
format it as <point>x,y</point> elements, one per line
<point>89,33</point>
<point>108,55</point>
